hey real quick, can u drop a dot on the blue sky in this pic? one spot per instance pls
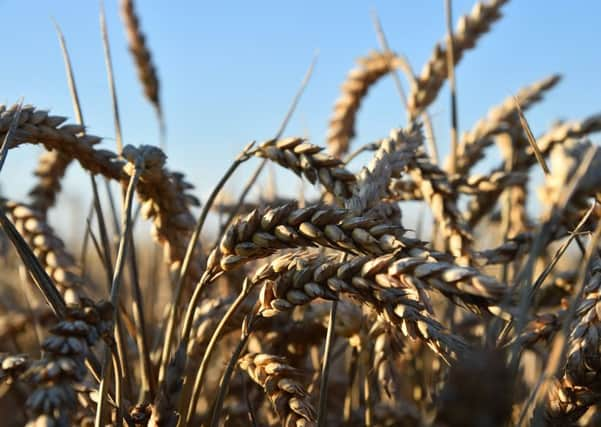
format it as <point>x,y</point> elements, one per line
<point>229,70</point>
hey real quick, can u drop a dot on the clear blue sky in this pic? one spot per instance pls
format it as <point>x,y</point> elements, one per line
<point>229,70</point>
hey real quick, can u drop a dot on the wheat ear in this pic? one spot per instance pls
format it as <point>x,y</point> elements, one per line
<point>470,28</point>
<point>576,390</point>
<point>342,123</point>
<point>141,54</point>
<point>281,383</point>
<point>49,249</point>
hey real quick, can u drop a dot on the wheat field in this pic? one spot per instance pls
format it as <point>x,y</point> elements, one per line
<point>323,310</point>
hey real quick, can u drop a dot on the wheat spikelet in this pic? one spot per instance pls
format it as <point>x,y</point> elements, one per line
<point>139,50</point>
<point>507,251</point>
<point>541,328</point>
<point>470,28</point>
<point>386,345</point>
<point>438,193</point>
<point>501,118</point>
<point>342,124</point>
<point>306,160</point>
<point>564,131</point>
<point>12,366</point>
<point>406,189</point>
<point>402,153</point>
<point>280,382</point>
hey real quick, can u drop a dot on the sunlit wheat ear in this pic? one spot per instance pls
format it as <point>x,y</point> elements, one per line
<point>308,160</point>
<point>469,30</point>
<point>385,284</point>
<point>262,233</point>
<point>53,164</point>
<point>389,161</point>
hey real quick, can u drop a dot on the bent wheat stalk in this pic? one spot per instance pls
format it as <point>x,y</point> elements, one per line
<point>159,189</point>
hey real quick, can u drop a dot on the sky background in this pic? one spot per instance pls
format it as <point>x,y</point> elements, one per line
<point>229,70</point>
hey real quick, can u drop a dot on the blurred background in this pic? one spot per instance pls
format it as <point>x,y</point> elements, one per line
<point>229,70</point>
